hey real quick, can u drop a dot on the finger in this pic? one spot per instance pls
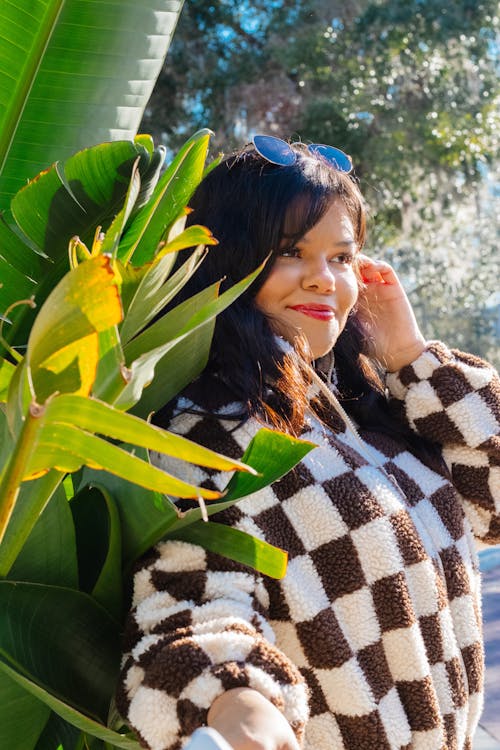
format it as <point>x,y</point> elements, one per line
<point>376,271</point>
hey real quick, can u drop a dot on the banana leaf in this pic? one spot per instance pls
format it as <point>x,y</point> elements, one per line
<point>62,640</point>
<point>74,73</point>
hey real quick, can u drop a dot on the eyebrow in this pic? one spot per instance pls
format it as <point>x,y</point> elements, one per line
<point>341,243</point>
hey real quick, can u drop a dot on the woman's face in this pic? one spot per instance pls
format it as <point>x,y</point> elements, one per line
<point>312,285</point>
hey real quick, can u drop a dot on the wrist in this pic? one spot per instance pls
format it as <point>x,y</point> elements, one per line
<point>406,356</point>
<point>228,701</point>
<point>249,721</point>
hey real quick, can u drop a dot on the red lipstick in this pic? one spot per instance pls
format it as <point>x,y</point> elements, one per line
<point>318,312</point>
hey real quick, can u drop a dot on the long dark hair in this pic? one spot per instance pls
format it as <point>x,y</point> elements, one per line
<point>252,206</point>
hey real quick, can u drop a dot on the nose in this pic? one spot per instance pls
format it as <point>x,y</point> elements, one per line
<point>319,276</point>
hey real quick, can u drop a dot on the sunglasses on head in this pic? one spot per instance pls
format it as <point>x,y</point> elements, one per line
<point>280,152</point>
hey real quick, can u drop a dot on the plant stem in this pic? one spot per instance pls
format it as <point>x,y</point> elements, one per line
<point>16,469</point>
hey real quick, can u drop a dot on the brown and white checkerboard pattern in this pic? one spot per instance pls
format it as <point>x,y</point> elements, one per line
<point>454,399</point>
<point>379,611</point>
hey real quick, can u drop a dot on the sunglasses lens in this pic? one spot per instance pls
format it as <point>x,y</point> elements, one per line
<point>332,155</point>
<point>274,150</point>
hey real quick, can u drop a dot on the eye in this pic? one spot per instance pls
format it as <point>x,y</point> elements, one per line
<point>289,252</point>
<point>344,259</point>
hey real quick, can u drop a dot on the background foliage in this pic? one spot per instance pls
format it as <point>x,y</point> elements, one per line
<point>409,89</point>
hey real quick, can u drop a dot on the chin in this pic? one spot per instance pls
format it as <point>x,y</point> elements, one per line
<point>311,347</point>
<point>318,353</point>
<point>321,348</point>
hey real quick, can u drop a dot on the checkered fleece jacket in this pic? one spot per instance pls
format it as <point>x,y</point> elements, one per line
<point>372,641</point>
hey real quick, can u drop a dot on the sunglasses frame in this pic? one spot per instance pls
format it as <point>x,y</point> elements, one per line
<point>279,152</point>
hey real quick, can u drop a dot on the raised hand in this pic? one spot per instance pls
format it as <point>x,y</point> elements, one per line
<point>248,721</point>
<point>387,313</point>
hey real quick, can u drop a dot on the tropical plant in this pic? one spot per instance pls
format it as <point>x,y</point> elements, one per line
<point>79,500</point>
<point>86,252</point>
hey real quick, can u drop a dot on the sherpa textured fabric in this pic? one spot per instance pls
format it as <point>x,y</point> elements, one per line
<point>372,641</point>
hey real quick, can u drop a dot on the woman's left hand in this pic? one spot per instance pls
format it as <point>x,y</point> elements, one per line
<point>386,311</point>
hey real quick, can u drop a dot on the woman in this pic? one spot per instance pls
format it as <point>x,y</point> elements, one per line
<point>373,638</point>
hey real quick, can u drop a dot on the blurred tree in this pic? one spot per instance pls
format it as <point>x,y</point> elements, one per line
<point>451,272</point>
<point>409,88</point>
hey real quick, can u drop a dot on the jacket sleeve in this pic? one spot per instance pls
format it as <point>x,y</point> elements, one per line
<point>196,630</point>
<point>453,399</point>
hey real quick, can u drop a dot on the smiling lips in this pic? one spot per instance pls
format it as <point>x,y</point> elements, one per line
<point>318,312</point>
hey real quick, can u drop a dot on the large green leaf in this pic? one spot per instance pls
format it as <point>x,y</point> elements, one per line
<point>70,199</point>
<point>74,73</point>
<point>184,318</point>
<point>63,348</point>
<point>154,291</point>
<point>236,545</point>
<point>114,232</point>
<point>49,554</point>
<point>62,640</point>
<point>179,367</point>
<point>67,449</point>
<point>98,417</point>
<point>75,196</point>
<point>98,537</point>
<point>58,734</point>
<point>22,716</point>
<point>273,454</point>
<point>31,500</point>
<point>148,351</point>
<point>109,378</point>
<point>56,443</point>
<point>172,329</point>
<point>73,715</point>
<point>145,515</point>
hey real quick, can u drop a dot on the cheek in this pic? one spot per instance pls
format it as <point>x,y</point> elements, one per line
<point>273,290</point>
<point>350,291</point>
<point>264,297</point>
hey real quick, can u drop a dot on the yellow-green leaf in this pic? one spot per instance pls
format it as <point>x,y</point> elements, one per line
<point>96,416</point>
<point>155,290</point>
<point>190,237</point>
<point>7,370</point>
<point>114,232</point>
<point>236,545</point>
<point>67,448</point>
<point>170,196</point>
<point>64,338</point>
